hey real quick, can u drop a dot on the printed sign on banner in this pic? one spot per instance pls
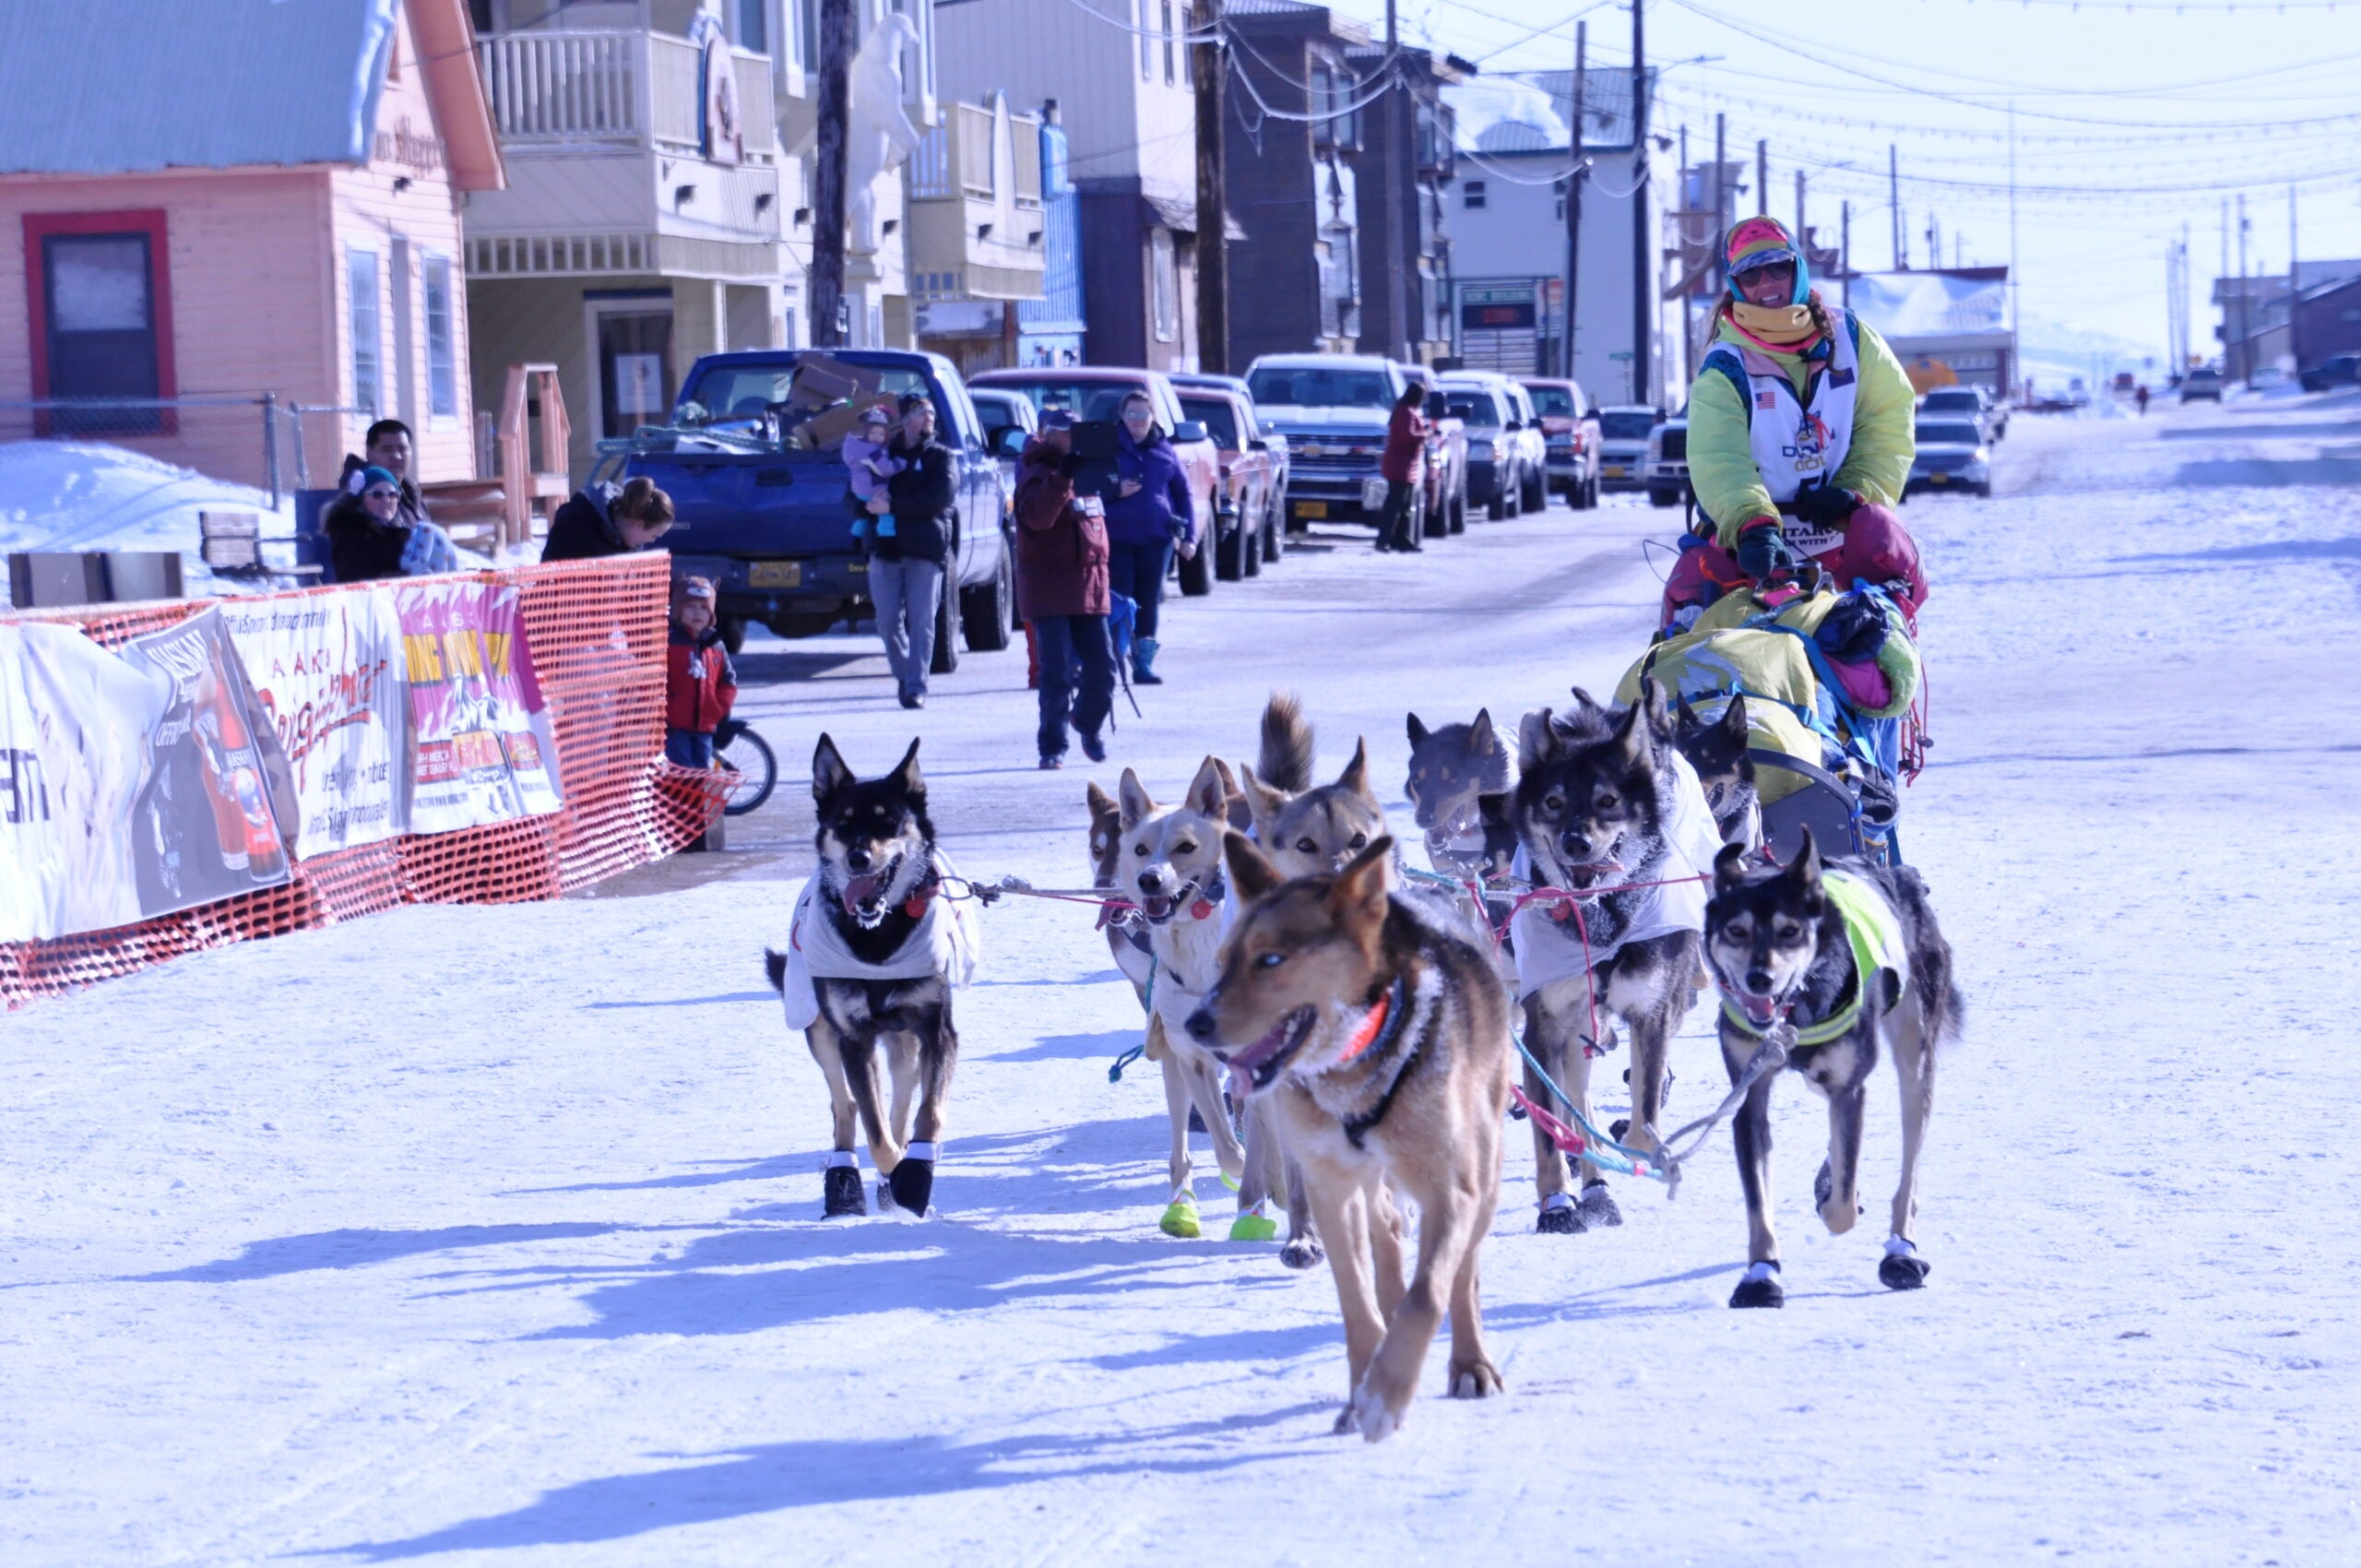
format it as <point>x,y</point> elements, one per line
<point>218,807</point>
<point>481,746</point>
<point>327,669</point>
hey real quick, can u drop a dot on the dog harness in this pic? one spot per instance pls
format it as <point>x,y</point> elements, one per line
<point>945,939</point>
<point>1875,937</point>
<point>1378,1029</point>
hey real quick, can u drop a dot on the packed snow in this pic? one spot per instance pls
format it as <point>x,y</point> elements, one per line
<point>90,496</point>
<point>493,1234</point>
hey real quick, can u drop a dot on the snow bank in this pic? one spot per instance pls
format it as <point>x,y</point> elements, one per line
<point>89,495</point>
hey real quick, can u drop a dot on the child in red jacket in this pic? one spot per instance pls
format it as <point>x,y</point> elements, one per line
<point>699,682</point>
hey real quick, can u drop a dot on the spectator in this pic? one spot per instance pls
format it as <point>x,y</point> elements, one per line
<point>366,535</point>
<point>912,543</point>
<point>1151,515</point>
<point>1061,589</point>
<point>1404,466</point>
<point>609,519</point>
<point>700,683</point>
<point>388,445</point>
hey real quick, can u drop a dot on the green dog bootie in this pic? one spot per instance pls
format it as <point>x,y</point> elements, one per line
<point>1180,1219</point>
<point>1228,1181</point>
<point>1253,1226</point>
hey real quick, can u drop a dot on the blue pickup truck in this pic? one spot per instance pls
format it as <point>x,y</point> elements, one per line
<point>765,507</point>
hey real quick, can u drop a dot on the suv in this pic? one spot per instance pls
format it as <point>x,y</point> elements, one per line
<point>2204,382</point>
<point>1333,410</point>
<point>752,462</point>
<point>1967,402</point>
<point>1483,403</point>
<point>1249,478</point>
<point>1623,445</point>
<point>1951,456</point>
<point>2337,370</point>
<point>1570,427</point>
<point>1665,471</point>
<point>1090,392</point>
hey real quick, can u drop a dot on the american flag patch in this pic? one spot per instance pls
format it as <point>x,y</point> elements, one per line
<point>1766,400</point>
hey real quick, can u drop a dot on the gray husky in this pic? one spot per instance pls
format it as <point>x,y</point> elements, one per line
<point>1593,807</point>
<point>1453,767</point>
<point>1848,956</point>
<point>877,887</point>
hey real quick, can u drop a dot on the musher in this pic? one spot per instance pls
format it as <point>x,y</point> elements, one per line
<point>1799,438</point>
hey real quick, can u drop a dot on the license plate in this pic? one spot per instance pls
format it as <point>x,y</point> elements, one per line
<point>1311,508</point>
<point>1614,471</point>
<point>1938,479</point>
<point>775,574</point>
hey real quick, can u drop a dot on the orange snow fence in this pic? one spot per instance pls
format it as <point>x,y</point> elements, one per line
<point>596,633</point>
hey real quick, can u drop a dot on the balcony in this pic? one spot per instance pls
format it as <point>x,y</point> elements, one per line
<point>616,166</point>
<point>976,221</point>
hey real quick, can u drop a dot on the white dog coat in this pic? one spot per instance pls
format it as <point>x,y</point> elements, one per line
<point>947,940</point>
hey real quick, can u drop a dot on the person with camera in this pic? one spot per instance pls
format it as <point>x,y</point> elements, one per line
<point>1062,590</point>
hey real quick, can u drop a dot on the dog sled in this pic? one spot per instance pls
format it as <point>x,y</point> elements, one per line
<point>1834,694</point>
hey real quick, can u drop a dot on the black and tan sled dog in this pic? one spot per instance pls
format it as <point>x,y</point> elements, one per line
<point>1379,1044</point>
<point>1848,956</point>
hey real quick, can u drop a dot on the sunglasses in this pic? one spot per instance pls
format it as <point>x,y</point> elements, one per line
<point>381,494</point>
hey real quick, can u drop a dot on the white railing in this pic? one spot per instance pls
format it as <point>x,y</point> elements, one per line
<point>615,87</point>
<point>931,166</point>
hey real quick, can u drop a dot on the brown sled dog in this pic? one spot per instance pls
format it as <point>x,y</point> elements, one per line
<point>1379,1044</point>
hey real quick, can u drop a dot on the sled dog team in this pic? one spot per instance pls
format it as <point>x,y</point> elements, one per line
<point>1342,1026</point>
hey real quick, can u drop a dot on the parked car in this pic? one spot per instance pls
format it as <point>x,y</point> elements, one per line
<point>1570,429</point>
<point>1953,455</point>
<point>1249,478</point>
<point>1967,402</point>
<point>2204,382</point>
<point>2337,370</point>
<point>1665,470</point>
<point>1333,410</point>
<point>1097,392</point>
<point>1623,445</point>
<point>1274,442</point>
<point>1009,424</point>
<point>763,501</point>
<point>1525,423</point>
<point>1446,501</point>
<point>1496,452</point>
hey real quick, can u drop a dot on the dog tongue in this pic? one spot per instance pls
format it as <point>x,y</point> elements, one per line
<point>1759,1009</point>
<point>859,891</point>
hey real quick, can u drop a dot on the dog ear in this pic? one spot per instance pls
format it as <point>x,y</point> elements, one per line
<point>829,773</point>
<point>1418,733</point>
<point>1250,871</point>
<point>1481,736</point>
<point>1586,702</point>
<point>1136,806</point>
<point>906,776</point>
<point>1206,796</point>
<point>1262,802</point>
<point>1633,735</point>
<point>1360,888</point>
<point>1684,713</point>
<point>1734,719</point>
<point>1537,740</point>
<point>1729,869</point>
<point>1652,703</point>
<point>1356,775</point>
<point>1101,803</point>
<point>1803,873</point>
<point>1235,809</point>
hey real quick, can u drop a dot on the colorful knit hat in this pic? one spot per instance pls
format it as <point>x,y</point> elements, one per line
<point>1759,241</point>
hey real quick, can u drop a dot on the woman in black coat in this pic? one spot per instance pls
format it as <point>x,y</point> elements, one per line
<point>365,531</point>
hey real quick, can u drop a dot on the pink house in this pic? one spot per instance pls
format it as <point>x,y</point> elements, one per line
<point>210,201</point>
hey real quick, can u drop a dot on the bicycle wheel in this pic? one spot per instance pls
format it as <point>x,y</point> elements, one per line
<point>748,755</point>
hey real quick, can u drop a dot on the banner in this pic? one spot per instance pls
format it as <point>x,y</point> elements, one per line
<point>327,671</point>
<point>132,785</point>
<point>481,746</point>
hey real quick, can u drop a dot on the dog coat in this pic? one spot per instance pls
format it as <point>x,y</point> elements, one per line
<point>1874,936</point>
<point>1548,950</point>
<point>945,941</point>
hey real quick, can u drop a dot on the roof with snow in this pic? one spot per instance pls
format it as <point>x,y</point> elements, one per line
<point>1932,305</point>
<point>1532,111</point>
<point>118,86</point>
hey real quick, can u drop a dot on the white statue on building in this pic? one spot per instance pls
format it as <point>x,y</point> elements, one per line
<point>877,132</point>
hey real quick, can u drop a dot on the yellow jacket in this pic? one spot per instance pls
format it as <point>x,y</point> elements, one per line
<point>1721,458</point>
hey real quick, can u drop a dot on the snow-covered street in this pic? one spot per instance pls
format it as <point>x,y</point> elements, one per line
<point>493,1234</point>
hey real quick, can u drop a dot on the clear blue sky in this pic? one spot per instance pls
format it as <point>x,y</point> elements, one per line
<point>2109,104</point>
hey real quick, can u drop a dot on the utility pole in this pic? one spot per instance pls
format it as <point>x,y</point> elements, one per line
<point>2015,324</point>
<point>1800,240</point>
<point>1719,238</point>
<point>1642,249</point>
<point>2246,350</point>
<point>2222,288</point>
<point>1207,65</point>
<point>1762,179</point>
<point>828,176</point>
<point>1845,251</point>
<point>1391,276</point>
<point>2293,293</point>
<point>1574,196</point>
<point>1893,194</point>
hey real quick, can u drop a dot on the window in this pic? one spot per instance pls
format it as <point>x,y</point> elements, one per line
<point>754,26</point>
<point>1471,195</point>
<point>807,26</point>
<point>1323,130</point>
<point>1147,40</point>
<point>100,289</point>
<point>1166,284</point>
<point>361,283</point>
<point>442,366</point>
<point>1172,51</point>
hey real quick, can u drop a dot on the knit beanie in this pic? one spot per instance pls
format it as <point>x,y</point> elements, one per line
<point>1758,241</point>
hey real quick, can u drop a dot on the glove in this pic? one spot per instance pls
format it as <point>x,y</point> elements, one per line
<point>1825,504</point>
<point>1763,551</point>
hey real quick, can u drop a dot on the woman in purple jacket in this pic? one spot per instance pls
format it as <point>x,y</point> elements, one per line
<point>1149,515</point>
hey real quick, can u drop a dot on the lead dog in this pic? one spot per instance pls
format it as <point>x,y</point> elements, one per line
<point>872,958</point>
<point>1848,956</point>
<point>1379,1044</point>
<point>1603,802</point>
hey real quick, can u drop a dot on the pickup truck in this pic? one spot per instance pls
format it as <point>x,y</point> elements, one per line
<point>764,504</point>
<point>1333,408</point>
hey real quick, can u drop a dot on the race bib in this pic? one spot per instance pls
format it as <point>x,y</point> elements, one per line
<point>1811,539</point>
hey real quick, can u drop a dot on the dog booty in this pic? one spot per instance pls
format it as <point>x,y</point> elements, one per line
<point>1902,1268</point>
<point>1560,1216</point>
<point>1253,1226</point>
<point>912,1182</point>
<point>1180,1220</point>
<point>840,1189</point>
<point>1759,1286</point>
<point>1596,1206</point>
